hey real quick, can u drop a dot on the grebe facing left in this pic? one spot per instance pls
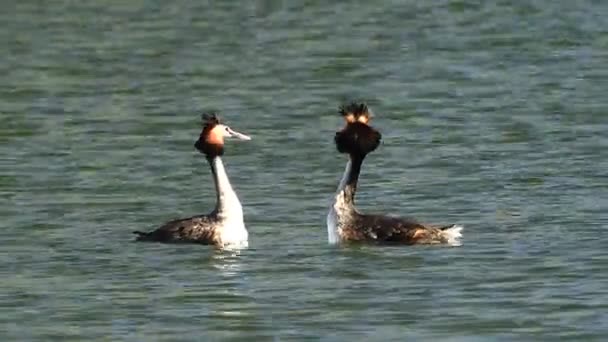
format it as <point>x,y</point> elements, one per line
<point>224,226</point>
<point>344,222</point>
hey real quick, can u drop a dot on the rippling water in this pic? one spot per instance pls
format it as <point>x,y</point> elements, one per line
<point>493,115</point>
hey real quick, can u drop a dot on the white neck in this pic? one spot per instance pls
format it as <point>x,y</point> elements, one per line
<point>337,206</point>
<point>228,205</point>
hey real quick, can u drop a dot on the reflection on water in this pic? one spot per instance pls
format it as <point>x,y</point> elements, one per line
<point>228,261</point>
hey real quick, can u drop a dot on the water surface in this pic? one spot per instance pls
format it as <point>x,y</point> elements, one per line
<point>493,116</point>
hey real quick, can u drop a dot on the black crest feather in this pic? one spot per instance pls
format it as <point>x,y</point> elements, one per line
<point>354,108</point>
<point>357,137</point>
<point>210,119</point>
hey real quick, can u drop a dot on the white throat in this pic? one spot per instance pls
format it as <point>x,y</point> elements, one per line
<point>337,205</point>
<point>228,207</point>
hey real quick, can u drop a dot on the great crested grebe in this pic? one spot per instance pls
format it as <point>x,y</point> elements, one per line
<point>344,222</point>
<point>224,225</point>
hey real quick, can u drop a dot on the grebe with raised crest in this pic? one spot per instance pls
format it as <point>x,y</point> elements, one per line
<point>344,222</point>
<point>224,226</point>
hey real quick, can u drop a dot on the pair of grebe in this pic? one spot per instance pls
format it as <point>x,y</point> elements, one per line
<point>225,227</point>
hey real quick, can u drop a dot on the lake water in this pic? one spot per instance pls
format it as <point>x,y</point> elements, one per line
<point>494,116</point>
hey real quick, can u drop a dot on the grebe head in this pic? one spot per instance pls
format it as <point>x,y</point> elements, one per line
<point>357,137</point>
<point>211,139</point>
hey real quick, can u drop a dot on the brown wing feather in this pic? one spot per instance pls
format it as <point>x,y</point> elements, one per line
<point>198,229</point>
<point>387,229</point>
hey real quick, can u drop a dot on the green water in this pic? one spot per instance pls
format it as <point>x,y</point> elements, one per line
<point>494,115</point>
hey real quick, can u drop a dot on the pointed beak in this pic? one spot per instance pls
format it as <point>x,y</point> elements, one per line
<point>235,134</point>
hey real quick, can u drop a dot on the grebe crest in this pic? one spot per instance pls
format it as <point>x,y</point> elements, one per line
<point>357,137</point>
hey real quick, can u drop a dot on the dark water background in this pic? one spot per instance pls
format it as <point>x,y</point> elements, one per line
<point>494,115</point>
